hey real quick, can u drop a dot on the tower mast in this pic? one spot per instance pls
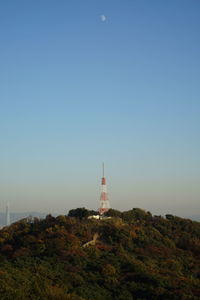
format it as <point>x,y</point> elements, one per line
<point>104,202</point>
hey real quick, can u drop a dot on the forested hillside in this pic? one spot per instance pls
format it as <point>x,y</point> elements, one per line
<point>132,255</point>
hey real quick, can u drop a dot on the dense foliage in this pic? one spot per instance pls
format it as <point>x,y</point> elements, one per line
<point>134,255</point>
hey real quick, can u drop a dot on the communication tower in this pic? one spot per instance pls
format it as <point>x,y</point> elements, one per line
<point>104,202</point>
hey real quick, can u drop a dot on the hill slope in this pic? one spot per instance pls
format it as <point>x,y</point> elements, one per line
<point>133,255</point>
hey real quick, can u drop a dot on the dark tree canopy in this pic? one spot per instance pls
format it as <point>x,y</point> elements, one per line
<point>81,213</point>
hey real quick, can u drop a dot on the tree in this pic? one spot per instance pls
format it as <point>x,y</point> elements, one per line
<point>79,213</point>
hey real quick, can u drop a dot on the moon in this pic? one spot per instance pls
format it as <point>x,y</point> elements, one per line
<point>103,18</point>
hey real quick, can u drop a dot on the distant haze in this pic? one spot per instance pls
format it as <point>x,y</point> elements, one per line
<point>76,91</point>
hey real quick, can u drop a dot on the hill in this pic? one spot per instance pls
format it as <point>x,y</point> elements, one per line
<point>132,255</point>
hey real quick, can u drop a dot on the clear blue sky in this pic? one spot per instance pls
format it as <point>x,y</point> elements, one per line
<point>76,90</point>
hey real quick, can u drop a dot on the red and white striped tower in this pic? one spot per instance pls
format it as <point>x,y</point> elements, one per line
<point>104,202</point>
